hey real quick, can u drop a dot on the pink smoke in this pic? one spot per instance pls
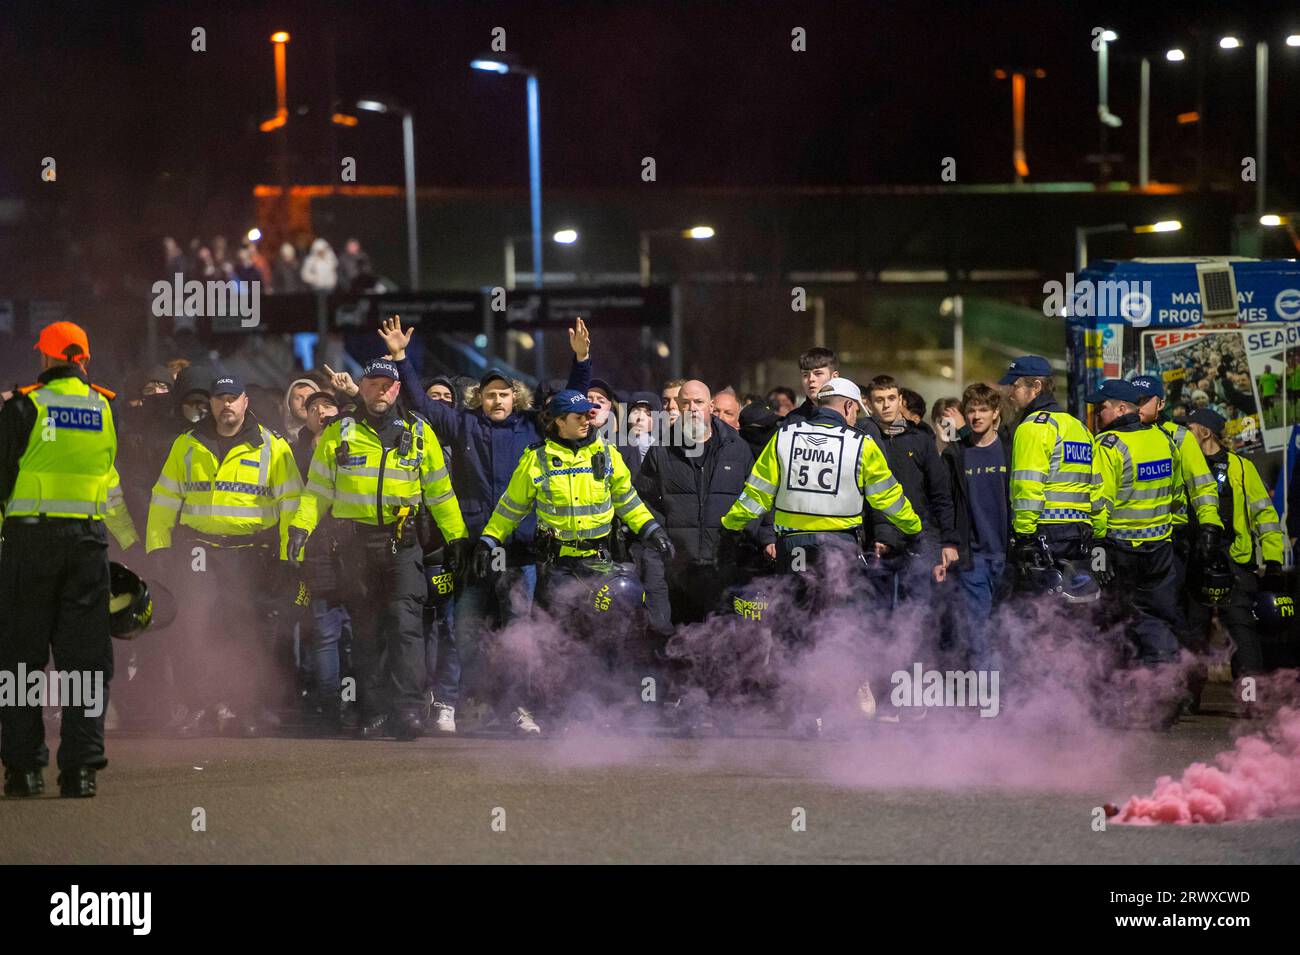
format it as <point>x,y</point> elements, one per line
<point>1256,779</point>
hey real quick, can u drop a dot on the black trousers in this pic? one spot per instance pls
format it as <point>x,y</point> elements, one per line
<point>384,588</point>
<point>54,589</point>
<point>230,590</point>
<point>1238,616</point>
<point>1146,588</point>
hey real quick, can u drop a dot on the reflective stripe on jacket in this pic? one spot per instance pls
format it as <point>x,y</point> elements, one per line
<point>1054,478</point>
<point>353,476</point>
<point>256,487</point>
<point>559,482</point>
<point>64,472</point>
<point>863,474</point>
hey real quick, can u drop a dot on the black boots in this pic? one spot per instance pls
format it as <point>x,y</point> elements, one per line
<point>22,783</point>
<point>73,783</point>
<point>404,726</point>
<point>77,783</point>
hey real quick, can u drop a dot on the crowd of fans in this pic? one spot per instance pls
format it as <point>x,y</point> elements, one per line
<point>316,268</point>
<point>954,469</point>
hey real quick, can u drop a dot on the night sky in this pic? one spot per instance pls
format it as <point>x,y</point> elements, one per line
<point>711,90</point>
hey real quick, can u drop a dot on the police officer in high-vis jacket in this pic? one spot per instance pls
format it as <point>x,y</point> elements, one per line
<point>815,473</point>
<point>57,445</point>
<point>232,485</point>
<point>1053,479</point>
<point>577,484</point>
<point>1254,533</point>
<point>1199,486</point>
<point>1140,472</point>
<point>373,472</point>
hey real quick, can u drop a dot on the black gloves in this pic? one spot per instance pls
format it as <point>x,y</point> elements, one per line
<point>1104,570</point>
<point>1209,541</point>
<point>481,560</point>
<point>460,557</point>
<point>729,545</point>
<point>1273,580</point>
<point>659,540</point>
<point>297,543</point>
<point>1026,549</point>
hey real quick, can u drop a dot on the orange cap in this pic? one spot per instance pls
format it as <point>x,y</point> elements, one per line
<point>65,341</point>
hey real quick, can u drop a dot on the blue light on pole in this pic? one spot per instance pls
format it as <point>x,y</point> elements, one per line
<point>489,65</point>
<point>535,175</point>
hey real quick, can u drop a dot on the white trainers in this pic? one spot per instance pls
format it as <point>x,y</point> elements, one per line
<point>866,702</point>
<point>444,722</point>
<point>525,725</point>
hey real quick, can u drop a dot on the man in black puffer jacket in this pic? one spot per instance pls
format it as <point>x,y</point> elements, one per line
<point>915,461</point>
<point>689,484</point>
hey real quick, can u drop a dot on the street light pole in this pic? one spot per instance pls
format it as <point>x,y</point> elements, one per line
<point>1261,123</point>
<point>412,234</point>
<point>408,159</point>
<point>1144,127</point>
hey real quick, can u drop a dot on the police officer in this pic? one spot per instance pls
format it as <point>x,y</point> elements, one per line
<point>577,484</point>
<point>1053,480</point>
<point>1140,470</point>
<point>1252,527</point>
<point>233,485</point>
<point>815,473</point>
<point>1197,480</point>
<point>57,445</point>
<point>373,472</point>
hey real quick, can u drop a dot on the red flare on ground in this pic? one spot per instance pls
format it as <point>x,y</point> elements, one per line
<point>1258,778</point>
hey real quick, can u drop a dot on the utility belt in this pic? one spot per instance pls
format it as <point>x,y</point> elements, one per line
<point>47,519</point>
<point>547,547</point>
<point>393,537</point>
<point>267,538</point>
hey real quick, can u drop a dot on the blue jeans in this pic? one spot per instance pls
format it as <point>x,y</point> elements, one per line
<point>330,623</point>
<point>979,588</point>
<point>441,660</point>
<point>481,605</point>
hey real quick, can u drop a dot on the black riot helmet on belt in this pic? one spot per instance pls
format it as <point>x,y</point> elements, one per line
<point>1274,612</point>
<point>130,608</point>
<point>614,589</point>
<point>1210,582</point>
<point>441,585</point>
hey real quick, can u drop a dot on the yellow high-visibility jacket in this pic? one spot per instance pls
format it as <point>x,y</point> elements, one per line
<point>358,475</point>
<point>1054,478</point>
<point>1199,486</point>
<point>573,502</point>
<point>255,487</point>
<point>1140,470</point>
<point>816,473</point>
<point>1253,518</point>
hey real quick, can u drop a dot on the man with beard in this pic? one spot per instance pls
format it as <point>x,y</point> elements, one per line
<point>374,472</point>
<point>689,484</point>
<point>233,486</point>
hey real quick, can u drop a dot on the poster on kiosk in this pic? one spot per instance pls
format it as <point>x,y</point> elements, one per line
<point>1221,332</point>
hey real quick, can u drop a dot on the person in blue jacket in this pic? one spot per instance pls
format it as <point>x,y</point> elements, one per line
<point>487,438</point>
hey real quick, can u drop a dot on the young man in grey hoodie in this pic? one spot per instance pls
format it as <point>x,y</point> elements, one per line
<point>295,406</point>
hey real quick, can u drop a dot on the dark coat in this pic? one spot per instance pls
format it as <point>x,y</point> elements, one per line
<point>954,459</point>
<point>916,464</point>
<point>484,453</point>
<point>689,495</point>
